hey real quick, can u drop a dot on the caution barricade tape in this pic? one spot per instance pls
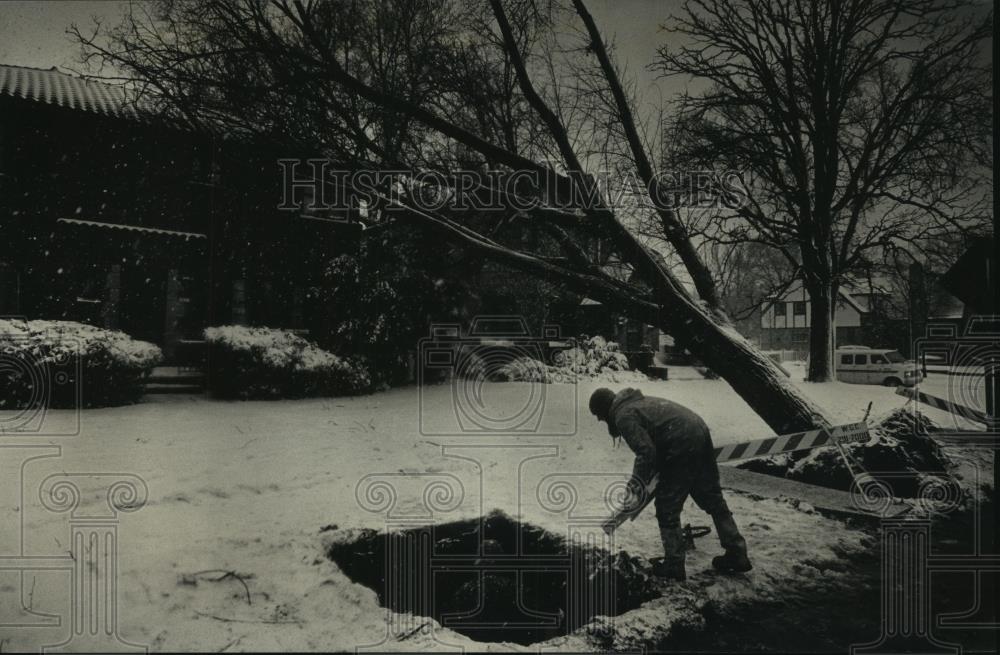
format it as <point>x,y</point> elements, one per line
<point>838,435</point>
<point>788,443</point>
<point>942,404</point>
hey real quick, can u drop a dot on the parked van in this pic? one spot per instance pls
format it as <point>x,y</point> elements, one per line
<point>863,365</point>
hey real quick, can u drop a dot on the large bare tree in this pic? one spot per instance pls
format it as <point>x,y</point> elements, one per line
<point>428,86</point>
<point>860,126</point>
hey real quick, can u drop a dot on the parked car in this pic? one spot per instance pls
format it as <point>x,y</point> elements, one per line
<point>864,365</point>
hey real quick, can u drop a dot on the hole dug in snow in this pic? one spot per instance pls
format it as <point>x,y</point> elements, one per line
<point>495,579</point>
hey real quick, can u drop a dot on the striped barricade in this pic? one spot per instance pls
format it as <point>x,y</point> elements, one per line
<point>943,405</point>
<point>786,443</point>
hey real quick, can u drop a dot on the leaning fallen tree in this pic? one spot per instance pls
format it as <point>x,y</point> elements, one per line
<point>291,42</point>
<point>698,325</point>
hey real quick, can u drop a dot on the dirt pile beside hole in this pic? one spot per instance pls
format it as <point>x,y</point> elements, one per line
<point>901,454</point>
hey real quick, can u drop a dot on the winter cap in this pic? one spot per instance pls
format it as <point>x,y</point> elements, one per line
<point>600,402</point>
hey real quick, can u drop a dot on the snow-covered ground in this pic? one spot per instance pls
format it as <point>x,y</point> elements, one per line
<point>247,486</point>
<point>843,400</point>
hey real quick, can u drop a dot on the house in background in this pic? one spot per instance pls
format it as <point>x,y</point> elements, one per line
<point>124,221</point>
<point>785,319</point>
<point>869,312</point>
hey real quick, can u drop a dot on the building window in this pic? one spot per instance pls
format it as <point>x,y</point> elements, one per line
<point>239,304</point>
<point>799,308</point>
<point>779,308</point>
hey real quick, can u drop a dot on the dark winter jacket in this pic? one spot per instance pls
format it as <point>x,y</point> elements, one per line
<point>657,431</point>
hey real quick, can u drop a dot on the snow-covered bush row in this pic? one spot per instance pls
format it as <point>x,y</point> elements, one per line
<point>592,359</point>
<point>526,369</point>
<point>63,363</point>
<point>260,362</point>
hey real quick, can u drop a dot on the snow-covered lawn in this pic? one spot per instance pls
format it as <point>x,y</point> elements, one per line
<point>247,486</point>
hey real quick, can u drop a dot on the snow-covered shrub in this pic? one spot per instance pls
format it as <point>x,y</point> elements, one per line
<point>592,359</point>
<point>63,363</point>
<point>523,369</point>
<point>259,362</point>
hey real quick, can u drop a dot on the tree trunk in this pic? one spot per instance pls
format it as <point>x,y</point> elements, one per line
<point>917,301</point>
<point>750,373</point>
<point>821,333</point>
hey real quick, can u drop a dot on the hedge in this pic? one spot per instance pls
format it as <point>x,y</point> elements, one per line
<point>64,364</point>
<point>269,363</point>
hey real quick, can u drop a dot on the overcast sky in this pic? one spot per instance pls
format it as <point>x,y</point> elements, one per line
<point>34,33</point>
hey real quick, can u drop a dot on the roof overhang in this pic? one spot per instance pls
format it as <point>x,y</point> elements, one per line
<point>134,228</point>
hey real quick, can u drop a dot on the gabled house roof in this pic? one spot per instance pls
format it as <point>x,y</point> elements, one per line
<point>858,295</point>
<point>54,87</point>
<point>794,285</point>
<point>849,299</point>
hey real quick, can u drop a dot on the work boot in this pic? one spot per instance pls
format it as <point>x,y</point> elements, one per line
<point>671,566</point>
<point>735,560</point>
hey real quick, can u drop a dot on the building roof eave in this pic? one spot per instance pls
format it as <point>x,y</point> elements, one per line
<point>133,228</point>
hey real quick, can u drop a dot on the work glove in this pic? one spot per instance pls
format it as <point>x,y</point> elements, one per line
<point>634,494</point>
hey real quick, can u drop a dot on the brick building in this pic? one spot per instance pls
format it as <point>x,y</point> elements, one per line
<point>117,219</point>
